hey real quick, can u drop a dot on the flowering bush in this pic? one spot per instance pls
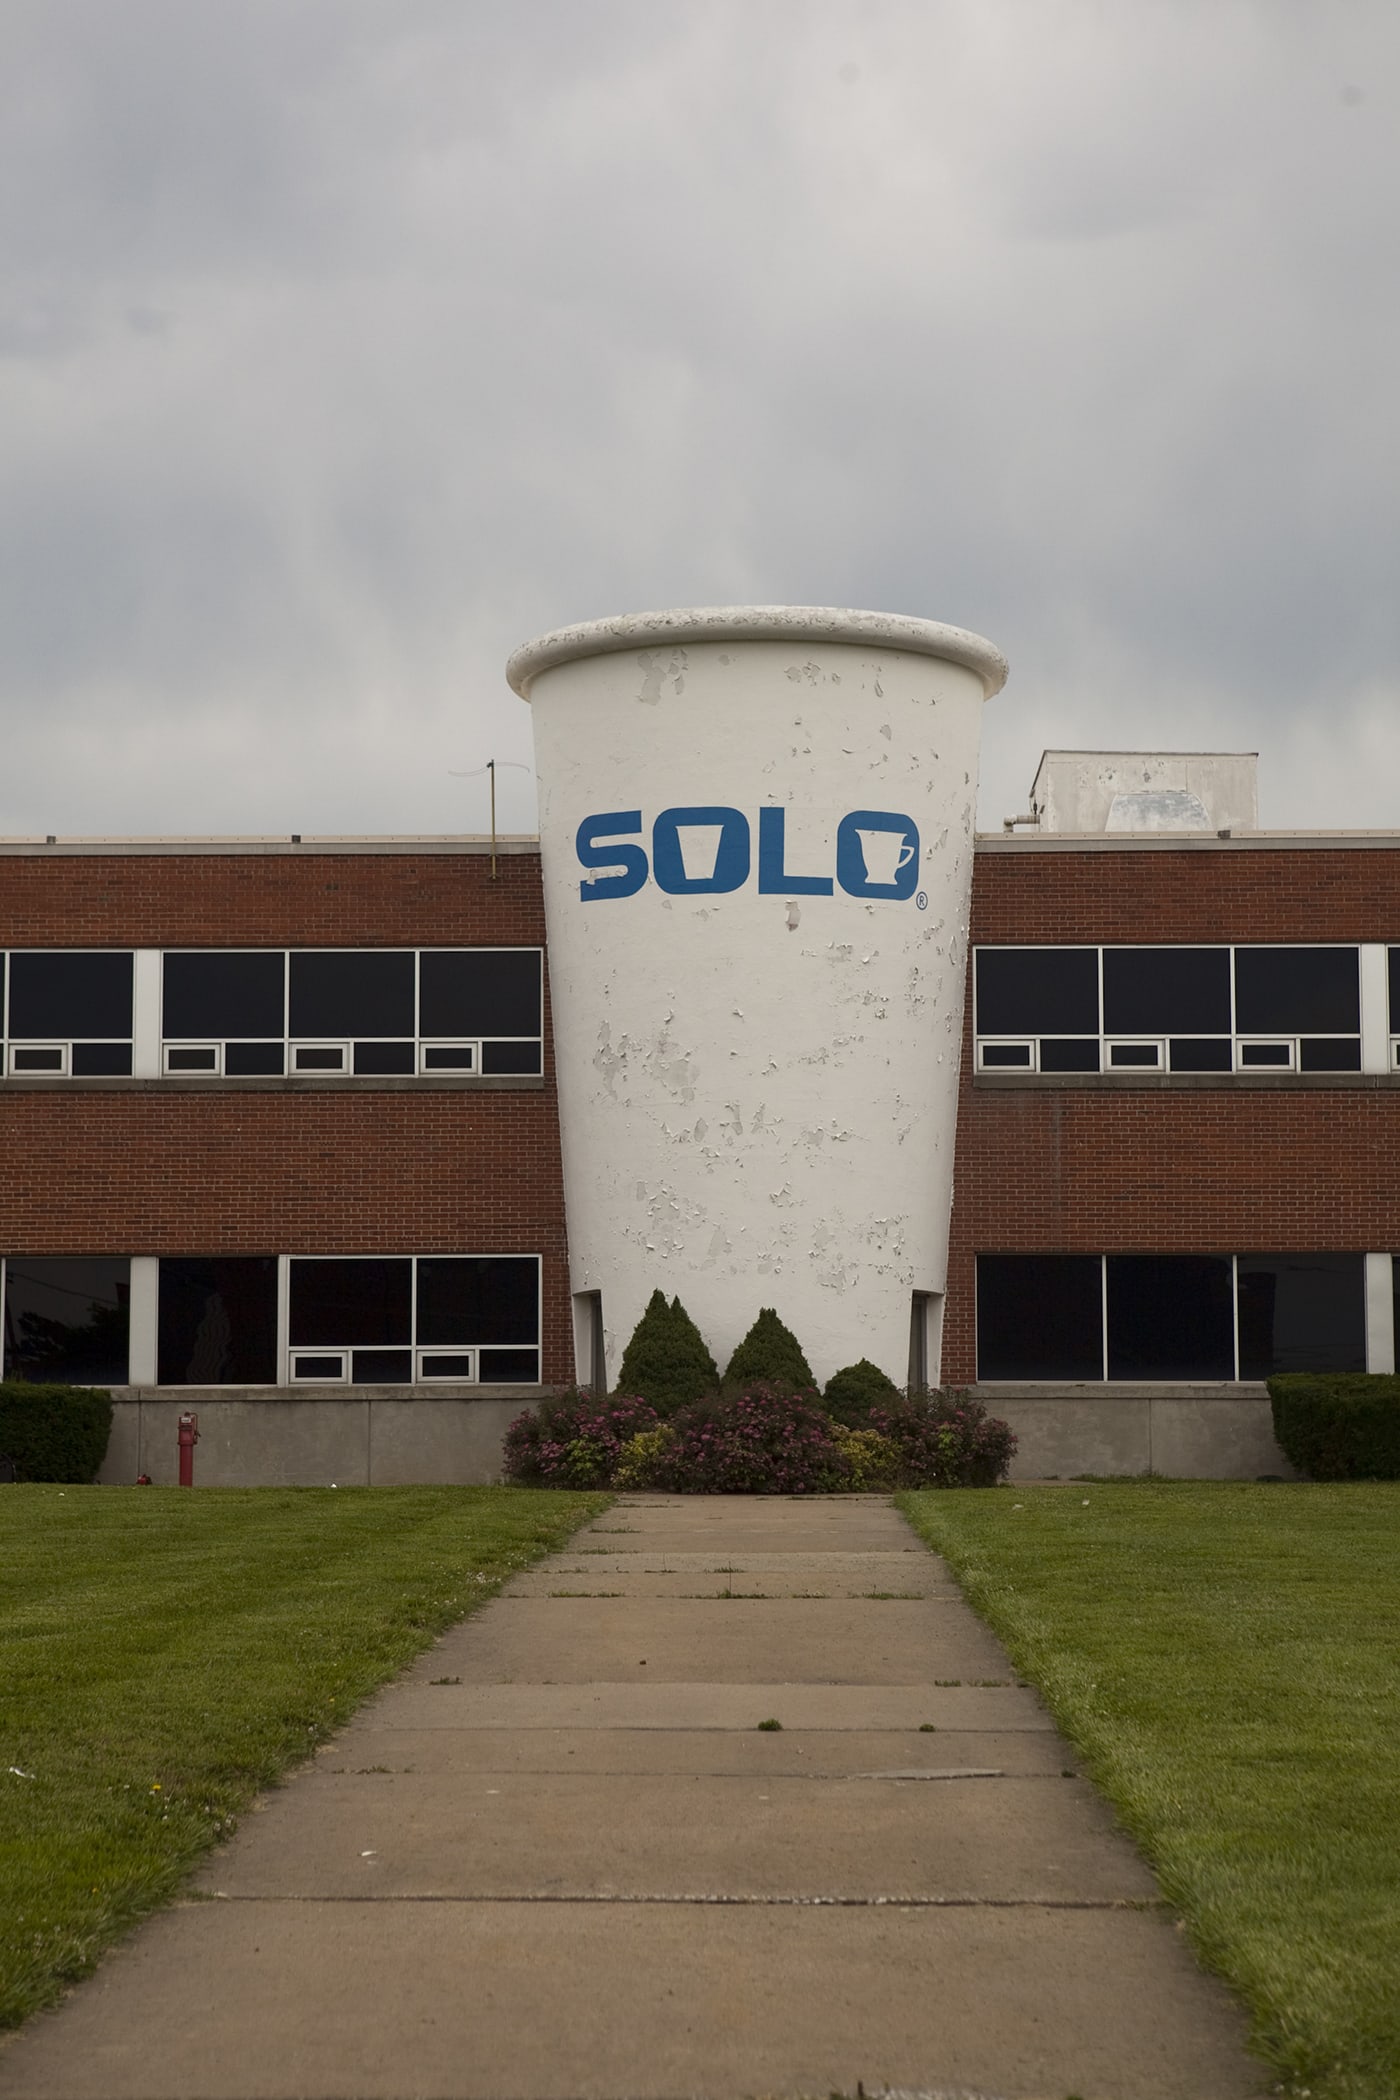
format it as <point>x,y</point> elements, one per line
<point>761,1440</point>
<point>944,1439</point>
<point>873,1460</point>
<point>640,1457</point>
<point>574,1441</point>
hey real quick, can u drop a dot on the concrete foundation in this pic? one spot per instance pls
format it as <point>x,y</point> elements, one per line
<point>401,1437</point>
<point>1183,1432</point>
<point>356,1436</point>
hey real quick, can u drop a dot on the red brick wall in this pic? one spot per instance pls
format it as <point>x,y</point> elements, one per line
<point>333,1171</point>
<point>1123,1169</point>
<point>303,898</point>
<point>1241,893</point>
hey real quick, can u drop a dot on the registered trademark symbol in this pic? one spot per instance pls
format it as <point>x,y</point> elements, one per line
<point>922,900</point>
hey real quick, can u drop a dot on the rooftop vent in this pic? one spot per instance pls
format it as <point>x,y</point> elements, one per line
<point>1143,791</point>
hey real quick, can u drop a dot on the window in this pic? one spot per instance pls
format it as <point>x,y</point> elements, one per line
<point>217,1321</point>
<point>1039,1316</point>
<point>223,1012</point>
<point>68,1013</point>
<point>66,1321</point>
<point>1168,1009</point>
<point>1164,1317</point>
<point>361,1012</point>
<point>1301,1312</point>
<point>1170,1316</point>
<point>398,1320</point>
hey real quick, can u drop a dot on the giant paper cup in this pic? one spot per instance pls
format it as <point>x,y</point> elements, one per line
<point>756,826</point>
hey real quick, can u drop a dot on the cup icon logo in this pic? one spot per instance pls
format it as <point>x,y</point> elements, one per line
<point>877,854</point>
<point>884,854</point>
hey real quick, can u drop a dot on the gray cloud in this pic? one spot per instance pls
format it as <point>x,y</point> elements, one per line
<point>342,347</point>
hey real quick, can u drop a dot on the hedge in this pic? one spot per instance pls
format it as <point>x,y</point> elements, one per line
<point>54,1432</point>
<point>1340,1425</point>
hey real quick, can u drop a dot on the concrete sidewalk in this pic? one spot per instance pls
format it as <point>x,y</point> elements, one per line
<point>561,1860</point>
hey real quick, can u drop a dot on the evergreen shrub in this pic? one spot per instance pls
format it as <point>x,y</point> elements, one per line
<point>769,1354</point>
<point>666,1361</point>
<point>54,1432</point>
<point>1341,1425</point>
<point>851,1393</point>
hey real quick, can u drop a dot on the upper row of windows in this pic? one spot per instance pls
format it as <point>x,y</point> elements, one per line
<point>74,1012</point>
<point>1067,1009</point>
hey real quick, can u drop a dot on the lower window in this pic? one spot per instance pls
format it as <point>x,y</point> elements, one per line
<point>1162,1317</point>
<point>217,1321</point>
<point>67,1322</point>
<point>404,1319</point>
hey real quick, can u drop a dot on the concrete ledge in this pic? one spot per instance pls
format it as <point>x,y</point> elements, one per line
<point>1178,1082</point>
<point>1184,1432</point>
<point>343,1436</point>
<point>289,1083</point>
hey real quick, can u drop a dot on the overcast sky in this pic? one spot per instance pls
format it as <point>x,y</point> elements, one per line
<point>345,344</point>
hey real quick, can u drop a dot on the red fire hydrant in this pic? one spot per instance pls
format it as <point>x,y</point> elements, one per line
<point>189,1437</point>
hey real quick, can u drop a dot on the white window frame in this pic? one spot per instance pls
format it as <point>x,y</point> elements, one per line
<point>1110,1043</point>
<point>150,987</point>
<point>23,1049</point>
<point>1371,977</point>
<point>210,1071</point>
<point>418,1350</point>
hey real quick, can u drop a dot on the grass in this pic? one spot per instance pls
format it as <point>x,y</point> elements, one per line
<point>1226,1657</point>
<point>167,1654</point>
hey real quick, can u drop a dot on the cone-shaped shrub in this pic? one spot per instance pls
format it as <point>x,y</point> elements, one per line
<point>666,1361</point>
<point>769,1354</point>
<point>851,1393</point>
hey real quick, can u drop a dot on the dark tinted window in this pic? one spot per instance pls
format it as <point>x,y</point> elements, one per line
<point>509,1366</point>
<point>1394,968</point>
<point>244,1060</point>
<point>101,1060</point>
<point>1199,1054</point>
<point>1301,1312</point>
<point>492,1299</point>
<point>70,993</point>
<point>340,1303</point>
<point>222,995</point>
<point>218,1321</point>
<point>1039,1316</point>
<point>1154,991</point>
<point>510,1057</point>
<point>1073,1054</point>
<point>381,1366</point>
<point>1037,991</point>
<point>1297,990</point>
<point>1329,1054</point>
<point>383,1057</point>
<point>66,1321</point>
<point>480,992</point>
<point>354,993</point>
<point>1170,1316</point>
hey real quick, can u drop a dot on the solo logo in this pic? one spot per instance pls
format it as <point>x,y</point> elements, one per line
<point>708,851</point>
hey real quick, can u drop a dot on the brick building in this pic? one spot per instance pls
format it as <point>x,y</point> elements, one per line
<point>279,1140</point>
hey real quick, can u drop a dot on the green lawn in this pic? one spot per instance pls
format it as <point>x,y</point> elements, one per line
<point>1227,1659</point>
<point>165,1654</point>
